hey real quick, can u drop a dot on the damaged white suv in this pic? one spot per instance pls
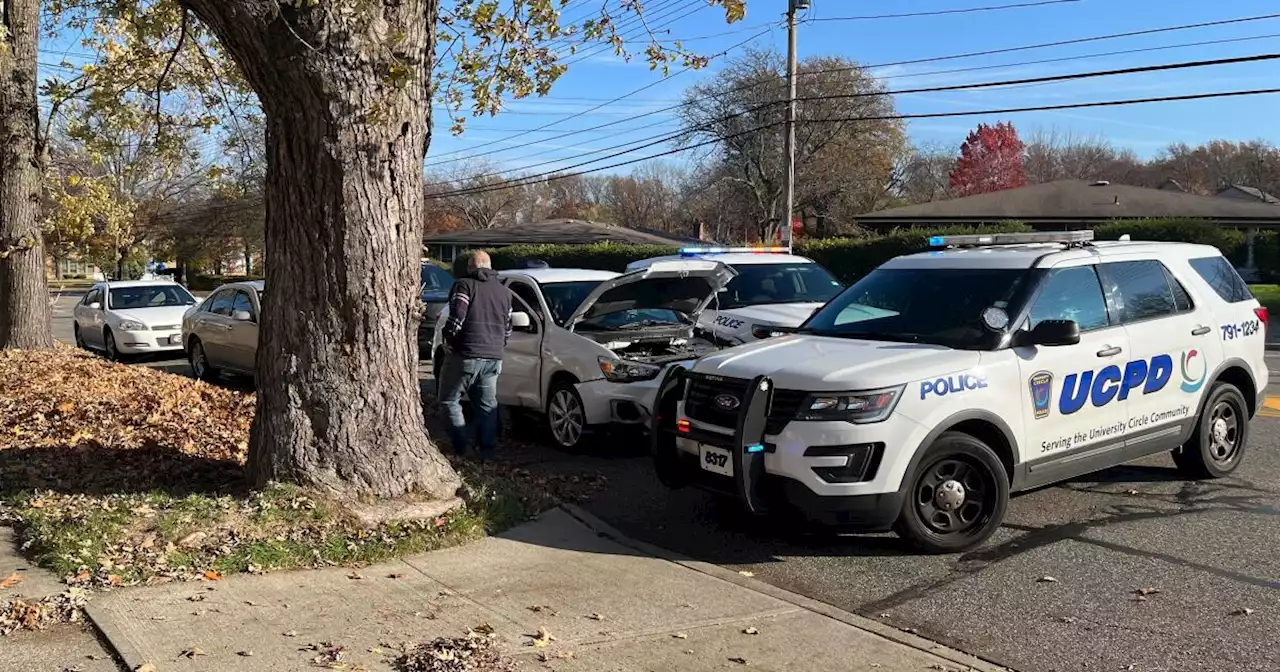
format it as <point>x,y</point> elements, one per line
<point>588,346</point>
<point>925,393</point>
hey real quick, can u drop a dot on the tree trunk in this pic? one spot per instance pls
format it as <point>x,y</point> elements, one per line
<point>338,402</point>
<point>25,318</point>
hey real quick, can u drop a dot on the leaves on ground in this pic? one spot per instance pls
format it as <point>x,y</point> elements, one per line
<point>475,652</point>
<point>145,667</point>
<point>122,475</point>
<point>540,639</point>
<point>19,614</point>
<point>750,631</point>
<point>10,581</point>
<point>1242,611</point>
<point>595,617</point>
<point>1146,591</point>
<point>747,574</point>
<point>739,660</point>
<point>193,652</point>
<point>1046,579</point>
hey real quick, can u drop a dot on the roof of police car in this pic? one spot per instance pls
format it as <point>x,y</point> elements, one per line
<point>548,276</point>
<point>1026,256</point>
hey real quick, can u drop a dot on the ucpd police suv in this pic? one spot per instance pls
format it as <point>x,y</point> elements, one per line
<point>921,396</point>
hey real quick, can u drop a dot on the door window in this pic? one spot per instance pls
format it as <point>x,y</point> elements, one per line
<point>221,303</point>
<point>1072,294</point>
<point>528,298</point>
<point>242,303</point>
<point>1141,290</point>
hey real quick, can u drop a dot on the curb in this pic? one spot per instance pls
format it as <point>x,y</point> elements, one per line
<point>114,640</point>
<point>1273,346</point>
<point>848,618</point>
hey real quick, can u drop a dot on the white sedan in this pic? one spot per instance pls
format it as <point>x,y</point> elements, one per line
<point>132,318</point>
<point>588,346</point>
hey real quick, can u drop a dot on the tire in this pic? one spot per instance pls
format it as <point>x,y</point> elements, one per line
<point>1217,444</point>
<point>200,362</point>
<point>956,496</point>
<point>75,330</point>
<point>566,417</point>
<point>109,348</point>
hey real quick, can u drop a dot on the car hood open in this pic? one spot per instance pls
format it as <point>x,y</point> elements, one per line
<point>685,286</point>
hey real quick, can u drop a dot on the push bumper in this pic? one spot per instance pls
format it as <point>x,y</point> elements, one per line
<point>851,483</point>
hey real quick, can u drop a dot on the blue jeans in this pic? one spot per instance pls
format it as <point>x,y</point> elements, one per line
<point>478,378</point>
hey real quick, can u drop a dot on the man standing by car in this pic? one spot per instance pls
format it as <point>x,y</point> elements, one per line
<point>474,335</point>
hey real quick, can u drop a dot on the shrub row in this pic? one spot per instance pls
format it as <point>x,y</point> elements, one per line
<point>851,258</point>
<point>208,283</point>
<point>847,258</point>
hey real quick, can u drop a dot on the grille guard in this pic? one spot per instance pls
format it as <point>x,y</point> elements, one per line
<point>749,431</point>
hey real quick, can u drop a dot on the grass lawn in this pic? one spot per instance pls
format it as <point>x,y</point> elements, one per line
<point>115,475</point>
<point>1269,296</point>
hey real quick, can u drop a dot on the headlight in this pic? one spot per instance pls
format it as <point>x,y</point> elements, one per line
<point>132,325</point>
<point>764,331</point>
<point>856,407</point>
<point>623,371</point>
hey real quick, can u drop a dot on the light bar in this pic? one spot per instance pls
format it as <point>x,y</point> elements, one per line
<point>731,250</point>
<point>984,239</point>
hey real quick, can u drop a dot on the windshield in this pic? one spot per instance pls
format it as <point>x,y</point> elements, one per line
<point>942,306</point>
<point>564,297</point>
<point>633,319</point>
<point>758,284</point>
<point>157,296</point>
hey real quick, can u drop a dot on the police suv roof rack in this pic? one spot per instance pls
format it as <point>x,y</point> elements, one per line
<point>1067,238</point>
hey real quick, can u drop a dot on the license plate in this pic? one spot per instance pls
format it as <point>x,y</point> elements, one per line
<point>716,460</point>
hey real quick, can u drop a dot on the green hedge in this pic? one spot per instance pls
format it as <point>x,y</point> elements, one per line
<point>208,283</point>
<point>847,258</point>
<point>1230,241</point>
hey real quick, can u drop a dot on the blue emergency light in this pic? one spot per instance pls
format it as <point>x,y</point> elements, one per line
<point>690,251</point>
<point>755,448</point>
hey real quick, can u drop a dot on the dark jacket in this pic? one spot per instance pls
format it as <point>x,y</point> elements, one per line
<point>479,321</point>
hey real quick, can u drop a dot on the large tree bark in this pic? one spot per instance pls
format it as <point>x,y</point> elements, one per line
<point>25,318</point>
<point>345,90</point>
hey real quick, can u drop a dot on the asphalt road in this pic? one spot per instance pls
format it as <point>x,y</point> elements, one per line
<point>1207,554</point>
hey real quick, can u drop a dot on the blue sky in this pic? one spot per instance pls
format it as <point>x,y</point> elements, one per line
<point>595,78</point>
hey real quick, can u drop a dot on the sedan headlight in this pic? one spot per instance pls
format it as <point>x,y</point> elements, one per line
<point>856,407</point>
<point>624,371</point>
<point>132,325</point>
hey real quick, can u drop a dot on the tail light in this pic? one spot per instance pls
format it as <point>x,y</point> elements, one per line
<point>1261,312</point>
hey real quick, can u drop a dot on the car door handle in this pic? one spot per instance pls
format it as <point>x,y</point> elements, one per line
<point>1200,331</point>
<point>1108,352</point>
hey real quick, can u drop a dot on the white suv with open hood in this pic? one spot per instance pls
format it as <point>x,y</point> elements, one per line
<point>772,289</point>
<point>933,387</point>
<point>588,346</point>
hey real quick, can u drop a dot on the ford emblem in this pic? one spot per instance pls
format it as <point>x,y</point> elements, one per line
<point>727,402</point>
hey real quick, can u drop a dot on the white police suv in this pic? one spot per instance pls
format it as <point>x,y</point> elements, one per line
<point>773,288</point>
<point>925,393</point>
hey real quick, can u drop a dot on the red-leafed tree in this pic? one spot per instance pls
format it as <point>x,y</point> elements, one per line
<point>990,160</point>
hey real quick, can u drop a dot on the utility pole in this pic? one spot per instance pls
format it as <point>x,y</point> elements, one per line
<point>792,8</point>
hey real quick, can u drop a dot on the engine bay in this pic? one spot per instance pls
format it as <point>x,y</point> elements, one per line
<point>654,345</point>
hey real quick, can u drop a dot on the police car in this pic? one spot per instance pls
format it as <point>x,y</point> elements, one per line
<point>773,289</point>
<point>925,393</point>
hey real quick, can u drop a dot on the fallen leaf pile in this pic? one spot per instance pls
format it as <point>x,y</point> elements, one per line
<point>73,422</point>
<point>17,614</point>
<point>476,652</point>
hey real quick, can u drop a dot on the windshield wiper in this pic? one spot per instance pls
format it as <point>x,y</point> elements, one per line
<point>894,337</point>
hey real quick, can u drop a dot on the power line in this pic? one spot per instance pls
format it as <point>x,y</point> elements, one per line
<point>579,114</point>
<point>659,139</point>
<point>1097,38</point>
<point>548,177</point>
<point>943,12</point>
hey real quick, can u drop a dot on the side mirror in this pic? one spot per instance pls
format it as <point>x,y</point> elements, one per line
<point>95,306</point>
<point>1052,333</point>
<point>520,322</point>
<point>242,316</point>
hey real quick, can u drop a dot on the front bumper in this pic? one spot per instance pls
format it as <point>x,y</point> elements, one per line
<point>140,342</point>
<point>833,473</point>
<point>608,403</point>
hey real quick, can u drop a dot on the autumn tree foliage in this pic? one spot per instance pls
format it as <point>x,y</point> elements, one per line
<point>990,160</point>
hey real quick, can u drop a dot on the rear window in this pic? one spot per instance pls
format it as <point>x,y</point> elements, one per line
<point>1219,274</point>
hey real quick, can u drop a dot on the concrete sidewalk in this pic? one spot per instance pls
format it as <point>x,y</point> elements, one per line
<point>608,605</point>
